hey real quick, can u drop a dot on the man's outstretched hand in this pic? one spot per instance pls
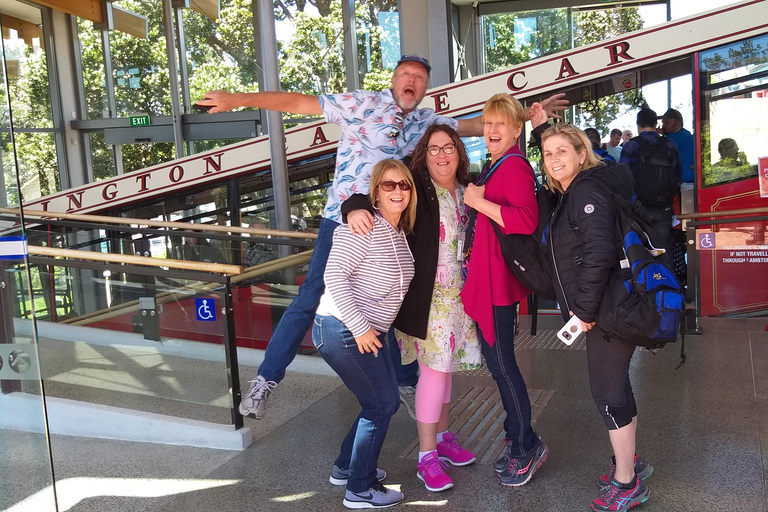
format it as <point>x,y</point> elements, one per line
<point>219,101</point>
<point>553,104</point>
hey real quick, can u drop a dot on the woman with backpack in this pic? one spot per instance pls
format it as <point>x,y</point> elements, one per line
<point>583,251</point>
<point>505,194</point>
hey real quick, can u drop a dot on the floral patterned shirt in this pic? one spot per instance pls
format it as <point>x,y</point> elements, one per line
<point>368,122</point>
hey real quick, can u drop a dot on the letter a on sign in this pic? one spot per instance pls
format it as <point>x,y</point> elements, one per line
<point>319,137</point>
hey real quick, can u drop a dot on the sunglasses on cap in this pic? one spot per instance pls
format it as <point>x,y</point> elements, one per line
<point>398,126</point>
<point>389,185</point>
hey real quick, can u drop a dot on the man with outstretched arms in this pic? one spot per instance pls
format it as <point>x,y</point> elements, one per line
<point>374,126</point>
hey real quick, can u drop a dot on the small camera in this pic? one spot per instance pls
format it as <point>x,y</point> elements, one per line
<point>567,335</point>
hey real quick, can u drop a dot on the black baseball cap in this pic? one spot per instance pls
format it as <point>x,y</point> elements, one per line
<point>417,59</point>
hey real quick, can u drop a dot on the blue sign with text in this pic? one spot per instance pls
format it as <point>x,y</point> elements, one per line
<point>205,309</point>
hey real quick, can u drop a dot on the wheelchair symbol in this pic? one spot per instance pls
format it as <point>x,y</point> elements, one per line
<point>706,240</point>
<point>205,309</point>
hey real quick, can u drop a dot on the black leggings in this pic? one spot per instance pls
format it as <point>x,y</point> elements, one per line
<point>608,363</point>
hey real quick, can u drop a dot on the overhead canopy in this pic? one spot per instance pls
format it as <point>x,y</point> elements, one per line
<point>106,14</point>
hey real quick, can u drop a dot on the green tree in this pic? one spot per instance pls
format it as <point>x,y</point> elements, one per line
<point>597,25</point>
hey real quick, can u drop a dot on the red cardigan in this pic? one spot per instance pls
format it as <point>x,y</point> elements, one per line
<point>489,280</point>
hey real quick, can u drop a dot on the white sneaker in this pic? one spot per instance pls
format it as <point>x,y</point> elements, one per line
<point>254,403</point>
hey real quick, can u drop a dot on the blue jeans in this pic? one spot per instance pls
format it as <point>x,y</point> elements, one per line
<point>501,362</point>
<point>372,379</point>
<point>297,319</point>
<point>407,374</point>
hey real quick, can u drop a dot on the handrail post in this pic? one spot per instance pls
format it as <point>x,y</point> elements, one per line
<point>230,353</point>
<point>692,289</point>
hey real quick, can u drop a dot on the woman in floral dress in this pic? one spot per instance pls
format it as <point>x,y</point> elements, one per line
<point>432,326</point>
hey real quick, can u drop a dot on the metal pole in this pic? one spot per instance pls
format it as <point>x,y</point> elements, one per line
<point>183,72</point>
<point>117,149</point>
<point>350,44</point>
<point>170,50</point>
<point>230,353</point>
<point>280,189</point>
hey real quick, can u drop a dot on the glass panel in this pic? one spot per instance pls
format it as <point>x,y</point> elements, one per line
<point>140,66</point>
<point>515,38</point>
<point>735,78</point>
<point>92,58</point>
<point>129,368</point>
<point>25,457</point>
<point>221,54</point>
<point>102,159</point>
<point>31,102</point>
<point>378,43</point>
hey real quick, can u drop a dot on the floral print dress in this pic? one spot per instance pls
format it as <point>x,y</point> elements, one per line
<point>452,343</point>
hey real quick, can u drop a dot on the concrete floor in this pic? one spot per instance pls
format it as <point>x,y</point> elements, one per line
<point>704,428</point>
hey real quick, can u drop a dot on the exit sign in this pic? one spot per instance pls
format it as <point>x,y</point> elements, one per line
<point>139,120</point>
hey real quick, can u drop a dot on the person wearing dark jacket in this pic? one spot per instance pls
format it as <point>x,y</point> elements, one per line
<point>581,241</point>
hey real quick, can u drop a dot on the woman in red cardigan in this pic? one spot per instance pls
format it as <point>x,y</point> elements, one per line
<point>506,195</point>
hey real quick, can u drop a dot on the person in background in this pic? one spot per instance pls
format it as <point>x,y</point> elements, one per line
<point>672,128</point>
<point>584,224</point>
<point>656,170</point>
<point>366,279</point>
<point>626,135</point>
<point>199,249</point>
<point>594,138</point>
<point>257,253</point>
<point>613,146</point>
<point>491,292</point>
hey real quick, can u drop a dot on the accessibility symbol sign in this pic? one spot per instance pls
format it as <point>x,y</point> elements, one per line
<point>205,309</point>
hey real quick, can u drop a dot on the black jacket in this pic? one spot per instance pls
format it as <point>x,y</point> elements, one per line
<point>582,241</point>
<point>424,244</point>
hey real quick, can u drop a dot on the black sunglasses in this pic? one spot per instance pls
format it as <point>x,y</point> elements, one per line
<point>389,186</point>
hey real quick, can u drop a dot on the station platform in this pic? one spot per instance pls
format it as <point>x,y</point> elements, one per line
<point>704,428</point>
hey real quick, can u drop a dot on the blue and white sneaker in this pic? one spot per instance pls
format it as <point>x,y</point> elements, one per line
<point>377,496</point>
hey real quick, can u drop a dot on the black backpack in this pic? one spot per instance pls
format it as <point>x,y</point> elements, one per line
<point>526,255</point>
<point>656,178</point>
<point>648,306</point>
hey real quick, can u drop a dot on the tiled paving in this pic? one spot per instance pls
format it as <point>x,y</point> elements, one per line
<point>704,427</point>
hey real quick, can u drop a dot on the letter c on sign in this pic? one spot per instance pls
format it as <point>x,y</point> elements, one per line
<point>511,81</point>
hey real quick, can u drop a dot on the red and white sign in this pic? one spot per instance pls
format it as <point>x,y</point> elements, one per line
<point>762,172</point>
<point>536,78</point>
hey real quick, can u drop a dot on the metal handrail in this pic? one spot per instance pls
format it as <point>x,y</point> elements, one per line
<point>743,211</point>
<point>194,288</point>
<point>221,268</point>
<point>160,223</point>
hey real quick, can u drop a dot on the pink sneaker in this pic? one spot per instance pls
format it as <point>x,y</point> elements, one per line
<point>431,471</point>
<point>450,450</point>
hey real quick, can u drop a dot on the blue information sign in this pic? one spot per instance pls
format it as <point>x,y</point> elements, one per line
<point>205,309</point>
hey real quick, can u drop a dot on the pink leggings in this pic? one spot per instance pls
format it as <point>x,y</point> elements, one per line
<point>432,391</point>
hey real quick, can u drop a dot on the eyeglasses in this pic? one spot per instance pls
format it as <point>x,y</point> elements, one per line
<point>398,126</point>
<point>389,186</point>
<point>448,149</point>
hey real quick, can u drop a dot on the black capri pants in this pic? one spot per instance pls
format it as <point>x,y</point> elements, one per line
<point>608,363</point>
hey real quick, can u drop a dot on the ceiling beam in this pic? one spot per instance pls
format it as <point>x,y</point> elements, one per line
<point>130,23</point>
<point>209,8</point>
<point>86,9</point>
<point>27,31</point>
